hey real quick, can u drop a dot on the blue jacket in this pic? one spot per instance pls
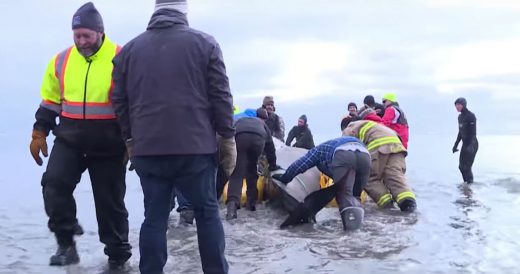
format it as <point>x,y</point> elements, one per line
<point>320,156</point>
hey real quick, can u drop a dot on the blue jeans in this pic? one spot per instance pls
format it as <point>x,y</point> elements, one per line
<point>181,200</point>
<point>194,177</point>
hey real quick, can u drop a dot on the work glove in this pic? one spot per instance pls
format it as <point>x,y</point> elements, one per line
<point>38,143</point>
<point>454,149</point>
<point>128,154</point>
<point>228,155</point>
<point>275,167</point>
<point>281,178</point>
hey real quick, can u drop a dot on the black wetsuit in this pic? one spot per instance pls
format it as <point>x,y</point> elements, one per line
<point>468,135</point>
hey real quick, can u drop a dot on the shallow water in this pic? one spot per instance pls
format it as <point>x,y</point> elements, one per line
<point>457,228</point>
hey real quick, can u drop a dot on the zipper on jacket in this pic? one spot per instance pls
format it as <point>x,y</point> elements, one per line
<point>85,91</point>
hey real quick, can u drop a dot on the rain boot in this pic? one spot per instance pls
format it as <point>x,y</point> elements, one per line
<point>352,217</point>
<point>187,216</point>
<point>78,230</point>
<point>65,255</point>
<point>408,205</point>
<point>231,210</point>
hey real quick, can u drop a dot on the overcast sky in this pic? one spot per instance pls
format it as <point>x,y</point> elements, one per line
<point>314,57</point>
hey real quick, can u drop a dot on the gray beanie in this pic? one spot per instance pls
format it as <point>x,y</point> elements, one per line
<point>180,5</point>
<point>87,16</point>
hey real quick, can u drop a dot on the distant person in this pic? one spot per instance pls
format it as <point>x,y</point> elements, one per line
<point>468,136</point>
<point>274,122</point>
<point>395,118</point>
<point>302,133</point>
<point>352,109</point>
<point>76,87</point>
<point>370,114</point>
<point>387,182</point>
<point>370,102</point>
<point>347,161</point>
<point>252,138</point>
<point>172,98</point>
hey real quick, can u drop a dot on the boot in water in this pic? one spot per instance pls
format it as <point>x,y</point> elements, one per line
<point>187,216</point>
<point>231,211</point>
<point>78,230</point>
<point>408,206</point>
<point>352,218</point>
<point>65,255</point>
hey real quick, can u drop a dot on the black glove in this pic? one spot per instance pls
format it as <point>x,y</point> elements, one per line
<point>454,149</point>
<point>275,167</point>
<point>281,178</point>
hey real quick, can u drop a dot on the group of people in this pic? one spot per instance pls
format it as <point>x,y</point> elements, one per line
<point>163,102</point>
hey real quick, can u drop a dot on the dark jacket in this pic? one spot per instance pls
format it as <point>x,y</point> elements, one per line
<point>171,93</point>
<point>303,137</point>
<point>254,125</point>
<point>276,125</point>
<point>467,127</point>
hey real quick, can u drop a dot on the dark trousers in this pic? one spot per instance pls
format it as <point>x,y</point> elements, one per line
<point>467,157</point>
<point>183,203</point>
<point>194,177</point>
<point>249,149</point>
<point>351,170</point>
<point>107,174</point>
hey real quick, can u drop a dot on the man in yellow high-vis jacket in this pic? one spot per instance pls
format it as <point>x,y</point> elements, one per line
<point>76,87</point>
<point>387,182</point>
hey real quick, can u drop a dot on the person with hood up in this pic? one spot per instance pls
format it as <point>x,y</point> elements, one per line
<point>274,122</point>
<point>387,182</point>
<point>302,133</point>
<point>76,87</point>
<point>174,105</point>
<point>252,138</point>
<point>347,161</point>
<point>468,136</point>
<point>395,118</point>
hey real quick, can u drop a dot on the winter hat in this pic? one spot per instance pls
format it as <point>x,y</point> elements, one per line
<point>180,5</point>
<point>390,97</point>
<point>369,101</point>
<point>351,104</point>
<point>461,101</point>
<point>304,118</point>
<point>262,113</point>
<point>87,16</point>
<point>268,100</point>
<point>366,112</point>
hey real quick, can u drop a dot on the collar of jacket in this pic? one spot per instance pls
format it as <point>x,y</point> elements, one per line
<point>102,52</point>
<point>167,18</point>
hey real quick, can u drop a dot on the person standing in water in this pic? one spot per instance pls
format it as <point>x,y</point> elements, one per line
<point>468,136</point>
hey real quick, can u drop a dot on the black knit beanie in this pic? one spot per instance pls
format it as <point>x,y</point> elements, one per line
<point>87,16</point>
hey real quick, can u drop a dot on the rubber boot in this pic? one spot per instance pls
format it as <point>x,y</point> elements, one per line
<point>78,230</point>
<point>251,206</point>
<point>352,218</point>
<point>231,210</point>
<point>187,216</point>
<point>65,255</point>
<point>408,206</point>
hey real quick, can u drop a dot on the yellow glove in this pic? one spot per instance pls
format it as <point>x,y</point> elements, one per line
<point>38,143</point>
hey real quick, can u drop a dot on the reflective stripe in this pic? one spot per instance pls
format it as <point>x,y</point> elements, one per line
<point>92,110</point>
<point>383,141</point>
<point>384,200</point>
<point>59,68</point>
<point>403,195</point>
<point>51,106</point>
<point>364,130</point>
